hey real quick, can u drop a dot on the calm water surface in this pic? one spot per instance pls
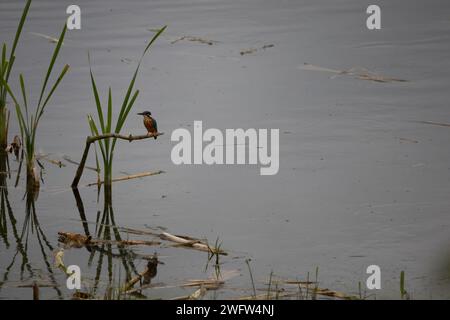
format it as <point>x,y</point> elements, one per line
<point>361,180</point>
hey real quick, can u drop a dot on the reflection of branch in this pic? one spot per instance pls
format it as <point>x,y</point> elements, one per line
<point>93,139</point>
<point>19,169</point>
<point>103,245</point>
<point>80,207</point>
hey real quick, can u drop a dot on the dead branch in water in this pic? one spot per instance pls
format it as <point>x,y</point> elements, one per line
<point>76,240</point>
<point>286,292</point>
<point>253,50</point>
<point>358,73</point>
<point>441,124</point>
<point>48,159</point>
<point>191,242</point>
<point>209,284</point>
<point>129,177</point>
<point>92,139</point>
<point>197,295</point>
<point>195,39</point>
<point>146,276</point>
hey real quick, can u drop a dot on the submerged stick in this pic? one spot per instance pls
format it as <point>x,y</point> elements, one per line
<point>35,291</point>
<point>92,139</point>
<point>147,275</point>
<point>129,177</point>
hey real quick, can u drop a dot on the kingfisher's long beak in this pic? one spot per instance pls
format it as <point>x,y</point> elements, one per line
<point>141,113</point>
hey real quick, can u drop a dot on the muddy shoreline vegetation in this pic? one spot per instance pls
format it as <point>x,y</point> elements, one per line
<point>108,246</point>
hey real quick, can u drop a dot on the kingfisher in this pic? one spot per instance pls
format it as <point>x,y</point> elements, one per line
<point>149,122</point>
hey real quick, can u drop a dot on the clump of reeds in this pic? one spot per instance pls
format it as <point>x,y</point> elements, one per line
<point>28,121</point>
<point>105,123</point>
<point>6,65</point>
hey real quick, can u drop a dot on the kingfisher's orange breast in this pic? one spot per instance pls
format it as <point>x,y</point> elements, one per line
<point>149,124</point>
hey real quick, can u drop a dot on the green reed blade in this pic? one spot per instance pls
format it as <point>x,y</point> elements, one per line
<point>17,36</point>
<point>24,95</point>
<point>50,67</point>
<point>120,124</point>
<point>109,119</point>
<point>96,97</point>
<point>93,127</point>
<point>130,87</point>
<point>55,85</point>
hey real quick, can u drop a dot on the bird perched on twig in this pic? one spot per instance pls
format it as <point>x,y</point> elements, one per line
<point>149,122</point>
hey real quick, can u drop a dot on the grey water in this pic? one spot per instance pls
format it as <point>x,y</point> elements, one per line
<point>362,180</point>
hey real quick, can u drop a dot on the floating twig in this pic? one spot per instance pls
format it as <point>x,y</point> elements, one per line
<point>407,140</point>
<point>78,295</point>
<point>195,39</point>
<point>441,124</point>
<point>191,243</point>
<point>253,50</point>
<point>129,177</point>
<point>209,284</point>
<point>358,73</point>
<point>197,295</point>
<point>49,38</point>
<point>52,161</point>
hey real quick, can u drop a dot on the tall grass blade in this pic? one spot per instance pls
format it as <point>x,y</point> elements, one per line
<point>121,118</point>
<point>24,95</point>
<point>55,85</point>
<point>96,97</point>
<point>109,118</point>
<point>52,63</point>
<point>96,133</point>
<point>17,36</point>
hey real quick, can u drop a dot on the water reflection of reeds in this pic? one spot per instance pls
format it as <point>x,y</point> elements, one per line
<point>105,229</point>
<point>31,232</point>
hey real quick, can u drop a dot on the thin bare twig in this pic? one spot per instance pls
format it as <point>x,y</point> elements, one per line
<point>441,124</point>
<point>129,177</point>
<point>92,139</point>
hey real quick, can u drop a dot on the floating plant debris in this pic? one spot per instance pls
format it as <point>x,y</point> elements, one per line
<point>75,240</point>
<point>358,73</point>
<point>15,146</point>
<point>49,38</point>
<point>441,124</point>
<point>253,50</point>
<point>146,276</point>
<point>47,158</point>
<point>129,177</point>
<point>195,39</point>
